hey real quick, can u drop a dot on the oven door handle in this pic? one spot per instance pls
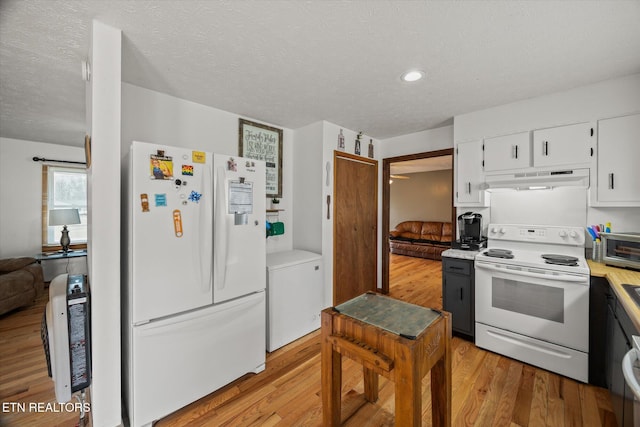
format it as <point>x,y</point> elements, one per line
<point>558,278</point>
<point>628,361</point>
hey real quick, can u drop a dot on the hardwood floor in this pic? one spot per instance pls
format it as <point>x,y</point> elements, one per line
<point>488,389</point>
<point>27,396</point>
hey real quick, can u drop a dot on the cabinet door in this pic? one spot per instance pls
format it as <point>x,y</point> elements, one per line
<point>618,155</point>
<point>617,347</point>
<point>507,152</point>
<point>456,299</point>
<point>563,145</point>
<point>470,180</point>
<point>609,366</point>
<point>621,394</point>
<point>598,293</point>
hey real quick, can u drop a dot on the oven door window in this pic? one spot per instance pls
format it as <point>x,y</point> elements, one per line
<point>543,302</point>
<point>545,306</point>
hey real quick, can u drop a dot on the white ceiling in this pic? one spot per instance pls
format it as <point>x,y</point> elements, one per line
<point>291,63</point>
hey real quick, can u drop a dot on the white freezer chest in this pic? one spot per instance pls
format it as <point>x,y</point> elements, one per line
<point>294,296</point>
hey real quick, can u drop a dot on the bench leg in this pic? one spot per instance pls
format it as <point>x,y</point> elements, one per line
<point>370,385</point>
<point>331,374</point>
<point>408,387</point>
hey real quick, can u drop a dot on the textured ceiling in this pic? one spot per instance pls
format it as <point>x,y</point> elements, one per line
<point>292,63</point>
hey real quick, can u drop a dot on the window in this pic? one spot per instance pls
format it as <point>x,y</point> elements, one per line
<point>64,187</point>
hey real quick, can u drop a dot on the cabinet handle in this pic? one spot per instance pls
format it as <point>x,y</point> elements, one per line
<point>469,187</point>
<point>545,148</point>
<point>461,289</point>
<point>611,186</point>
<point>516,151</point>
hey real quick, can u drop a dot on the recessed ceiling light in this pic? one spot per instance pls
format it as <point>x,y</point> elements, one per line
<point>412,76</point>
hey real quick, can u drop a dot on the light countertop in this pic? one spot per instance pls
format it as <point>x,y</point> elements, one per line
<point>460,254</point>
<point>616,277</point>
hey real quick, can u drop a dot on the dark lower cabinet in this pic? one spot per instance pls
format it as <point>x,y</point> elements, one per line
<point>598,294</point>
<point>458,294</point>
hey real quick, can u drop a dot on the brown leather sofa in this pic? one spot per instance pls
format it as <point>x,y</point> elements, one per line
<point>423,239</point>
<point>21,282</point>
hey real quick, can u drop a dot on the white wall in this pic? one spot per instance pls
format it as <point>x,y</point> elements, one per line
<point>425,196</point>
<point>609,98</point>
<point>156,117</point>
<point>310,177</point>
<point>21,196</point>
<point>590,103</point>
<point>21,193</point>
<point>418,142</point>
<point>104,223</point>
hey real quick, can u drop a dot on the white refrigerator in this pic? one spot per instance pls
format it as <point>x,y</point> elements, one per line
<point>193,284</point>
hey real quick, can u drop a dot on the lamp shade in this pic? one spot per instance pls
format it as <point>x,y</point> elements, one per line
<point>64,217</point>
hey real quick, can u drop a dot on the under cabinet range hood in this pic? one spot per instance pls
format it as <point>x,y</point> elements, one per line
<point>536,180</point>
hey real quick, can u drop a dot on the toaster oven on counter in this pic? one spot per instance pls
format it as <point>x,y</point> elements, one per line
<point>621,249</point>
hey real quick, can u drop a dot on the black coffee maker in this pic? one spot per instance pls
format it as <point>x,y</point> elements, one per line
<point>470,230</point>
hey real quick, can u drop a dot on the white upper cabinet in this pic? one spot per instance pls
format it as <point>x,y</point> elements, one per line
<point>618,161</point>
<point>469,176</point>
<point>563,145</point>
<point>507,152</point>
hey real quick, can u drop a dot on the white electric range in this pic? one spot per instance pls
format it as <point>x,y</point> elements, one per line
<point>532,296</point>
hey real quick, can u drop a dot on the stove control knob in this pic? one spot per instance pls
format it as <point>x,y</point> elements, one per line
<point>494,230</point>
<point>573,234</point>
<point>503,230</point>
<point>563,233</point>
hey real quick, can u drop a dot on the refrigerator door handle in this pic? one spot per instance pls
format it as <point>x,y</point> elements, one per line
<point>206,239</point>
<point>221,237</point>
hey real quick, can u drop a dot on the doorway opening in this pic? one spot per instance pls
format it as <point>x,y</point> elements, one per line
<point>406,168</point>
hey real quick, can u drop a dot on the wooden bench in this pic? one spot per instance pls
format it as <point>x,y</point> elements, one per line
<point>400,341</point>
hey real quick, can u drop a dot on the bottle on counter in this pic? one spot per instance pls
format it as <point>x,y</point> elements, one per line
<point>341,141</point>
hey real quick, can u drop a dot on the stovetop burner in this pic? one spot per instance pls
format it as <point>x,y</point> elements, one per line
<point>565,263</point>
<point>544,248</point>
<point>555,259</point>
<point>499,253</point>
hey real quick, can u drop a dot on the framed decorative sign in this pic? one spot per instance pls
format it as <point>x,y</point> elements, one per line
<point>262,142</point>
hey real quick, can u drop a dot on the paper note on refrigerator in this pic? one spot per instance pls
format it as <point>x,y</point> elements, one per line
<point>240,197</point>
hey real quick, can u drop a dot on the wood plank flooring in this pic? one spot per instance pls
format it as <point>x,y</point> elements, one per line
<point>23,373</point>
<point>488,389</point>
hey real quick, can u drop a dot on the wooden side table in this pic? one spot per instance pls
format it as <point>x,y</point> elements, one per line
<point>388,337</point>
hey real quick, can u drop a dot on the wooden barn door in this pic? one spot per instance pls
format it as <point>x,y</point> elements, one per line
<point>355,226</point>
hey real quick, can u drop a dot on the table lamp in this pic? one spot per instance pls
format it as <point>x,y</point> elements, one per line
<point>64,217</point>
